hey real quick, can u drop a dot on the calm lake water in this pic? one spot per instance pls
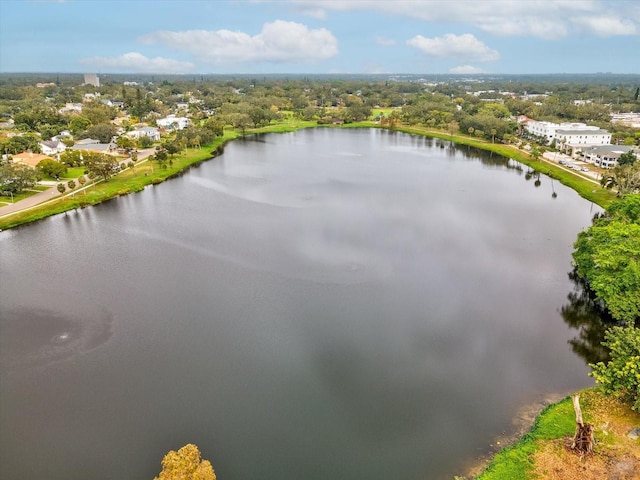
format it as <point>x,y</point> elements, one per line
<point>322,304</point>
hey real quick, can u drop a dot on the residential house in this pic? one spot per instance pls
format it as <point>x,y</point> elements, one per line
<point>152,132</point>
<point>29,158</point>
<point>172,122</point>
<point>93,145</point>
<point>52,147</point>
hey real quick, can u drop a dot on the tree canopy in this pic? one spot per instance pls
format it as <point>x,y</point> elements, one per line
<point>186,464</point>
<point>100,164</point>
<point>607,257</point>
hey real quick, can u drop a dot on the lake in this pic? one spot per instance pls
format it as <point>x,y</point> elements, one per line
<point>347,304</point>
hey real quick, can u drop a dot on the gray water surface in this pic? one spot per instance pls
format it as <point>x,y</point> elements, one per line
<point>321,304</point>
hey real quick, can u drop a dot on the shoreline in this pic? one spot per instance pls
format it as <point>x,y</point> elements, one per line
<point>141,176</point>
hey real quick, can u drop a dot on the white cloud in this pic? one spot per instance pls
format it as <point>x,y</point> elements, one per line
<point>606,26</point>
<point>138,63</point>
<point>278,42</point>
<point>542,19</point>
<point>385,41</point>
<point>466,69</point>
<point>464,46</point>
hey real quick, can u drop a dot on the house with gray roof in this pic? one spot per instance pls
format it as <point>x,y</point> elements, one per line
<point>606,156</point>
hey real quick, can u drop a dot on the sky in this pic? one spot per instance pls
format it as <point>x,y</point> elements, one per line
<point>320,36</point>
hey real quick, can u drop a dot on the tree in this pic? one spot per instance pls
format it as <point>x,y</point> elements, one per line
<point>161,157</point>
<point>624,178</point>
<point>52,168</point>
<point>186,464</point>
<point>101,165</point>
<point>61,188</point>
<point>125,143</point>
<point>17,177</point>
<point>621,375</point>
<point>627,158</point>
<point>79,124</point>
<point>102,131</point>
<point>145,142</point>
<point>607,258</point>
<point>72,158</point>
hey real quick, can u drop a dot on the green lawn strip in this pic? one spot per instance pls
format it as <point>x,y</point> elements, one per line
<point>128,181</point>
<point>516,461</point>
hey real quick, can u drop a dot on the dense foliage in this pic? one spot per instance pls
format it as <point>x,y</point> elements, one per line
<point>100,165</point>
<point>607,257</point>
<point>186,464</point>
<point>621,375</point>
<point>16,177</point>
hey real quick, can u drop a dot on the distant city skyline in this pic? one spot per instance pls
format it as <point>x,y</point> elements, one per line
<point>320,36</point>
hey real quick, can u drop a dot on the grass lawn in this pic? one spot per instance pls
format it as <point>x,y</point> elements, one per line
<point>73,173</point>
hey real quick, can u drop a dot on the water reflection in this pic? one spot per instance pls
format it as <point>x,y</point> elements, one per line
<point>586,314</point>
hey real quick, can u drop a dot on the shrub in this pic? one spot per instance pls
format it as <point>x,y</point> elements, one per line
<point>621,375</point>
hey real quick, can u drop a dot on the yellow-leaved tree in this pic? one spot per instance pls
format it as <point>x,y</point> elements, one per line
<point>186,464</point>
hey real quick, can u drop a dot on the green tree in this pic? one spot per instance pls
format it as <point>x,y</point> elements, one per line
<point>102,131</point>
<point>607,258</point>
<point>627,158</point>
<point>71,184</point>
<point>621,375</point>
<point>79,124</point>
<point>61,188</point>
<point>125,143</point>
<point>17,177</point>
<point>101,165</point>
<point>52,168</point>
<point>72,158</point>
<point>624,178</point>
<point>186,464</point>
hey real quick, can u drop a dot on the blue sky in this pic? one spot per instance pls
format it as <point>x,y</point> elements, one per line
<point>320,36</point>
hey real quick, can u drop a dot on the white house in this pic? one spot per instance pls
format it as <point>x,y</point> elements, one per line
<point>52,147</point>
<point>173,123</point>
<point>152,132</point>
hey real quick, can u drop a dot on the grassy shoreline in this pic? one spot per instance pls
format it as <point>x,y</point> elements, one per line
<point>541,452</point>
<point>142,175</point>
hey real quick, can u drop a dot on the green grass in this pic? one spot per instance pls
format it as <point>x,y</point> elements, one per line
<point>73,173</point>
<point>515,461</point>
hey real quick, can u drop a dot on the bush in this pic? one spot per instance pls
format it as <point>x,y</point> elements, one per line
<point>621,375</point>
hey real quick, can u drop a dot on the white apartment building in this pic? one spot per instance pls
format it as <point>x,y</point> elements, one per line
<point>569,135</point>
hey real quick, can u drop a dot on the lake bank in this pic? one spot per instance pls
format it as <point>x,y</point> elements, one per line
<point>142,175</point>
<point>541,452</point>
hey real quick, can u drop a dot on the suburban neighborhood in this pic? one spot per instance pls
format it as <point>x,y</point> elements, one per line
<point>69,122</point>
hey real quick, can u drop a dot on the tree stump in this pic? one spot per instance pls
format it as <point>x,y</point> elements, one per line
<point>583,439</point>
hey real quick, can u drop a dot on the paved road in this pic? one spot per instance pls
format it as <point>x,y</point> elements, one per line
<point>52,192</point>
